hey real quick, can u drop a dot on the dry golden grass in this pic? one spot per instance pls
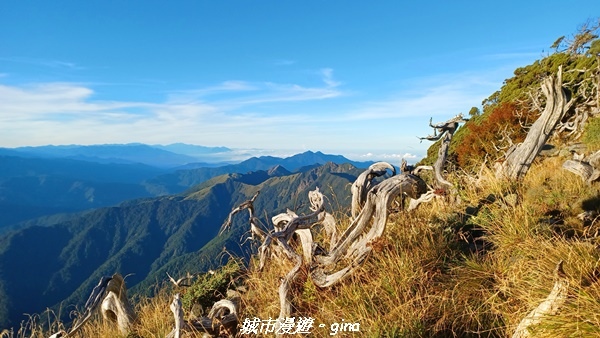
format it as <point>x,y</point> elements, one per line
<point>424,278</point>
<point>469,270</point>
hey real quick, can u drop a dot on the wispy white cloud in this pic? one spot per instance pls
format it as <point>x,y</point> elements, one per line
<point>277,92</point>
<point>36,101</point>
<point>407,156</point>
<point>68,113</point>
<point>284,62</point>
<point>43,62</point>
<point>327,74</point>
<point>243,114</point>
<point>237,94</point>
<point>393,158</point>
<point>274,92</point>
<point>224,87</point>
<point>445,95</point>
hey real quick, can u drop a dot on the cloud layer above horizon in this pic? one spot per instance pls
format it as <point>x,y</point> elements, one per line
<point>239,113</point>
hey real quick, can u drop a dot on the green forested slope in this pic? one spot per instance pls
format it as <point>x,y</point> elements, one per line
<point>42,266</point>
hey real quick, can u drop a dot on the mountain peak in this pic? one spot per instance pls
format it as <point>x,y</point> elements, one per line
<point>278,170</point>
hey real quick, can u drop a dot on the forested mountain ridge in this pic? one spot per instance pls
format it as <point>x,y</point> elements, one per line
<point>142,238</point>
<point>34,186</point>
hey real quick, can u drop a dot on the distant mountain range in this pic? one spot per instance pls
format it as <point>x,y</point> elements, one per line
<point>177,181</point>
<point>52,180</point>
<point>54,261</point>
<point>70,214</point>
<point>168,156</point>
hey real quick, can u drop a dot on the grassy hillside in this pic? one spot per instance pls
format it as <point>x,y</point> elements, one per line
<point>469,271</point>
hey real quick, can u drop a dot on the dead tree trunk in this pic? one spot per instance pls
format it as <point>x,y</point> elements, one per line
<point>111,296</point>
<point>364,183</point>
<point>116,307</point>
<point>180,324</point>
<point>519,158</point>
<point>445,130</point>
<point>353,247</point>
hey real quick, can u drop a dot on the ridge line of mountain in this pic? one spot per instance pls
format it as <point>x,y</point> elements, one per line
<point>146,237</point>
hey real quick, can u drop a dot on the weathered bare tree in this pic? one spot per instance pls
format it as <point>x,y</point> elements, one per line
<point>347,252</point>
<point>443,131</point>
<point>518,159</point>
<point>365,182</point>
<point>577,43</point>
<point>115,306</point>
<point>110,298</point>
<point>255,229</point>
<point>585,100</point>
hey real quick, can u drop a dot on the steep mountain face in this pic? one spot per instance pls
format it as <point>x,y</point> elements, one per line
<point>42,266</point>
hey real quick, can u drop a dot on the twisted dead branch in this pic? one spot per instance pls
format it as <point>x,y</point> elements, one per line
<point>254,221</point>
<point>180,324</point>
<point>115,306</point>
<point>349,251</point>
<point>110,295</point>
<point>443,131</point>
<point>95,298</point>
<point>353,245</point>
<point>364,183</point>
<point>183,281</point>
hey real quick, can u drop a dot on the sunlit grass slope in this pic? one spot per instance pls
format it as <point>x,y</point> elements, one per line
<point>472,269</point>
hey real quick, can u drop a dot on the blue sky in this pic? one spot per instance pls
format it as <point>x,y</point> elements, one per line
<point>355,78</point>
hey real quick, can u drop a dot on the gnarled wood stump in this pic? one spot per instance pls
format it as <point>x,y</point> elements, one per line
<point>222,320</point>
<point>587,168</point>
<point>115,305</point>
<point>110,295</point>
